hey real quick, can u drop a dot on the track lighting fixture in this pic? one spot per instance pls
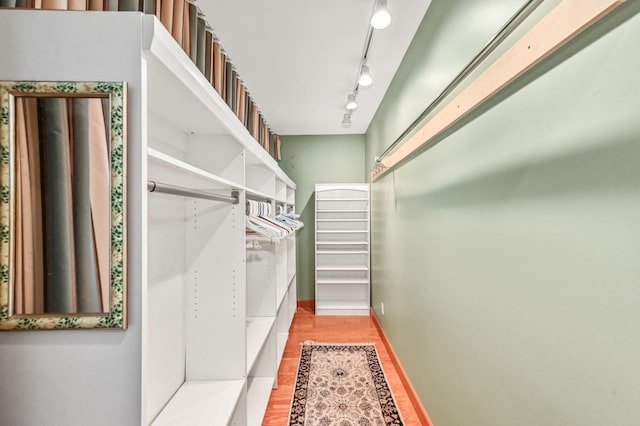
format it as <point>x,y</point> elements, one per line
<point>381,17</point>
<point>365,79</point>
<point>351,102</point>
<point>346,119</point>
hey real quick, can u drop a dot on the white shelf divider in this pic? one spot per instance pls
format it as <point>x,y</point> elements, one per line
<point>259,390</point>
<point>281,344</point>
<point>282,292</point>
<point>258,329</point>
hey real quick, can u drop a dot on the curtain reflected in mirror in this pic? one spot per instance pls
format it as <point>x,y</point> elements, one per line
<point>62,205</point>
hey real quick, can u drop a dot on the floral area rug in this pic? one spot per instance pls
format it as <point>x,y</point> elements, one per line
<point>342,385</point>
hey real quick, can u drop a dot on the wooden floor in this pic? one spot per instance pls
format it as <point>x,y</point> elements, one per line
<point>330,329</point>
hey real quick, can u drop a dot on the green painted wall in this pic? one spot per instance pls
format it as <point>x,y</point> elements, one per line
<point>308,160</point>
<point>507,255</point>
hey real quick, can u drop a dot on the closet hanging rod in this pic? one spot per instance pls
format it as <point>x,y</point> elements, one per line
<point>165,188</point>
<point>491,45</point>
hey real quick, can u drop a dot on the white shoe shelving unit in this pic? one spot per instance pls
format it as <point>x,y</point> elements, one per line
<point>342,249</point>
<point>208,316</point>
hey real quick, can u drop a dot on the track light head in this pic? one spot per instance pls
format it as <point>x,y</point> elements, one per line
<point>365,79</point>
<point>351,102</point>
<point>346,119</point>
<point>381,17</point>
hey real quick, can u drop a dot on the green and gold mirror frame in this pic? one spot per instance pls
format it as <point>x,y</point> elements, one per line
<point>63,205</point>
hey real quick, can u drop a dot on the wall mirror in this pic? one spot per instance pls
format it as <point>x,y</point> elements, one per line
<point>62,205</point>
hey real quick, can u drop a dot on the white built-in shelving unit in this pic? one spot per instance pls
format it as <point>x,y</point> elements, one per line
<point>342,249</point>
<point>208,314</point>
<point>237,298</point>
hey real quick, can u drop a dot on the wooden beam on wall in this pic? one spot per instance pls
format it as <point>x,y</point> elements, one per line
<point>562,24</point>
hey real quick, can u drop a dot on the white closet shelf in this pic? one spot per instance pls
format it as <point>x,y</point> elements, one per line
<point>341,211</point>
<point>342,268</point>
<point>201,403</point>
<point>258,392</point>
<point>346,281</point>
<point>167,160</point>
<point>341,252</point>
<point>281,343</point>
<point>181,94</point>
<point>258,329</point>
<point>341,243</point>
<point>343,231</point>
<point>342,199</point>
<point>340,304</point>
<point>341,220</point>
<point>252,193</point>
<point>282,293</point>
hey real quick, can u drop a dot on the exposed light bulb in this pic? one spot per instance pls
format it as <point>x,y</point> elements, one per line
<point>346,120</point>
<point>351,102</point>
<point>381,17</point>
<point>365,79</point>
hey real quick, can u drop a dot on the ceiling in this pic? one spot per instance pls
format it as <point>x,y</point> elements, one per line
<point>299,58</point>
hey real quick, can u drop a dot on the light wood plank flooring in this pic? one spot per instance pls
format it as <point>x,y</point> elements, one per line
<point>330,329</point>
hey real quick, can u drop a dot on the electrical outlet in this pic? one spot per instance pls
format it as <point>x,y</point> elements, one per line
<point>382,308</point>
